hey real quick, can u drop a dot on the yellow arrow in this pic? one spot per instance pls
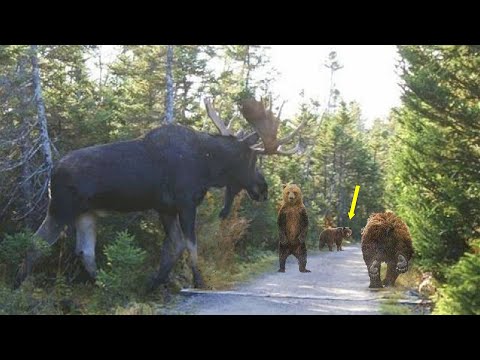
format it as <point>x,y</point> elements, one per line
<point>351,213</point>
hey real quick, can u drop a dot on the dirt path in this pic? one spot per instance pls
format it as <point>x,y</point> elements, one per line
<point>338,284</point>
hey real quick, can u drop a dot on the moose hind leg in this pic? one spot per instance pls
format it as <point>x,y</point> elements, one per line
<point>187,223</point>
<point>85,226</point>
<point>50,231</point>
<point>172,249</point>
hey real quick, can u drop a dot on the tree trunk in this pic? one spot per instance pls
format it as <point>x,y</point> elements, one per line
<point>247,64</point>
<point>42,119</point>
<point>26,183</point>
<point>185,97</point>
<point>169,81</point>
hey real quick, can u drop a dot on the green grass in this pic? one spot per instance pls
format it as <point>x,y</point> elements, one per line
<point>395,309</point>
<point>240,271</point>
<point>409,280</point>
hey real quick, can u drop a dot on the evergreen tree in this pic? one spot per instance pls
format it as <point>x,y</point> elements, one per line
<point>435,174</point>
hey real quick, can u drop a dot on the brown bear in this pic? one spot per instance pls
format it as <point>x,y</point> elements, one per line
<point>334,235</point>
<point>292,227</point>
<point>386,238</point>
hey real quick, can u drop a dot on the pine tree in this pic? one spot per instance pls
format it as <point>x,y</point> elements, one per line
<point>435,174</point>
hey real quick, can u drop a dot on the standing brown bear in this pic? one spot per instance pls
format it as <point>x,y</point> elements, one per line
<point>386,238</point>
<point>292,226</point>
<point>334,235</point>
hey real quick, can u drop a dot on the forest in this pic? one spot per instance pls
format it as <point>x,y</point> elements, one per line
<point>421,162</point>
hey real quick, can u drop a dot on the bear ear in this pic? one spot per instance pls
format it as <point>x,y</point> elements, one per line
<point>344,228</point>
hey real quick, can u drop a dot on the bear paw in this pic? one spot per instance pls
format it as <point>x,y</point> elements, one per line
<point>374,269</point>
<point>402,265</point>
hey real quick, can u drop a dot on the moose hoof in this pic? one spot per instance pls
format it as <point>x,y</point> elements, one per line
<point>281,270</point>
<point>154,281</point>
<point>198,281</point>
<point>223,214</point>
<point>305,271</point>
<point>199,285</point>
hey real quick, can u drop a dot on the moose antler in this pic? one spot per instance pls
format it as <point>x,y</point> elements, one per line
<point>212,114</point>
<point>266,125</point>
<point>263,121</point>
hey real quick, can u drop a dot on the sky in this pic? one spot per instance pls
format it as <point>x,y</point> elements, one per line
<point>368,76</point>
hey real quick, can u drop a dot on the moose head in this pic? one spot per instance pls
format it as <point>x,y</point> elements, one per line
<point>263,140</point>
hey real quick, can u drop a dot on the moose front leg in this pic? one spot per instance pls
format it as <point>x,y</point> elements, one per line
<point>187,223</point>
<point>172,249</point>
<point>230,193</point>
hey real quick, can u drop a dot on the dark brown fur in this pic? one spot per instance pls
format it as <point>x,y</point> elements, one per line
<point>292,226</point>
<point>386,238</point>
<point>335,236</point>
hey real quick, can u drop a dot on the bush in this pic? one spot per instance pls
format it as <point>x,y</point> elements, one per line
<point>14,248</point>
<point>125,270</point>
<point>460,295</point>
<point>28,300</point>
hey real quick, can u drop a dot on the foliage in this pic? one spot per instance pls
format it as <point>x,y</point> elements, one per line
<point>460,295</point>
<point>434,178</point>
<point>14,248</point>
<point>124,273</point>
<point>422,162</point>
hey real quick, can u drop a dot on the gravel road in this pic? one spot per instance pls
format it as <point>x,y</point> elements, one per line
<point>338,284</point>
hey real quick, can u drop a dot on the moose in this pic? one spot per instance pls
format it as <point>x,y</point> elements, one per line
<point>169,169</point>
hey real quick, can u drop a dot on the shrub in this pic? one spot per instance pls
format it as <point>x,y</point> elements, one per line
<point>14,248</point>
<point>27,300</point>
<point>460,295</point>
<point>121,280</point>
